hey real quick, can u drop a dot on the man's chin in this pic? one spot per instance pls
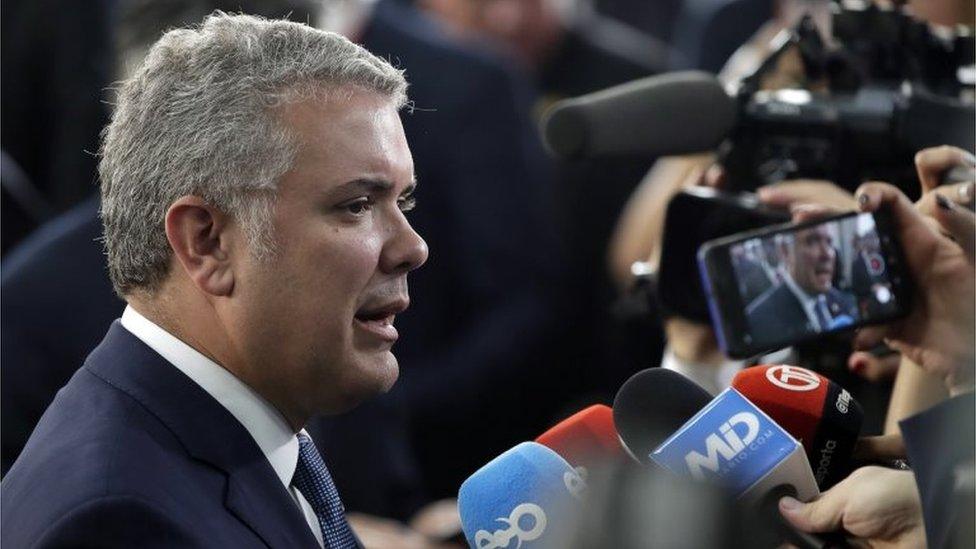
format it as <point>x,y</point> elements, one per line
<point>363,380</point>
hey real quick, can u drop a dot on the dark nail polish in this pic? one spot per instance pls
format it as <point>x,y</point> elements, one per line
<point>943,202</point>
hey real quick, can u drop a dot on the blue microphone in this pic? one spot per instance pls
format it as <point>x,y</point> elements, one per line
<point>522,498</point>
<point>734,443</point>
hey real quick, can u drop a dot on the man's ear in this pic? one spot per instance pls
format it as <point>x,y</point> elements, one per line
<point>200,237</point>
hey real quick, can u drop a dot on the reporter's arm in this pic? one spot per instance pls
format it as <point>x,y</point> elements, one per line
<point>641,225</point>
<point>915,390</point>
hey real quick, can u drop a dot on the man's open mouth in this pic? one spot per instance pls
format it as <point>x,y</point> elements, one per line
<point>378,319</point>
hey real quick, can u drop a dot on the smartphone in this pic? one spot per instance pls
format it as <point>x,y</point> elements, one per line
<point>775,287</point>
<point>693,217</point>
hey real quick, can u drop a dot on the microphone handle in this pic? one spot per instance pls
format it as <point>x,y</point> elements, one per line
<point>769,507</point>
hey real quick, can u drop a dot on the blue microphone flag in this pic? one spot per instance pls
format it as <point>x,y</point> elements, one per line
<point>522,499</point>
<point>733,442</point>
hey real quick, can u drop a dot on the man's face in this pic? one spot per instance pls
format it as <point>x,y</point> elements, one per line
<point>812,260</point>
<point>317,320</point>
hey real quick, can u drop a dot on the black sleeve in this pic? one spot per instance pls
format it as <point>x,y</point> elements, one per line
<point>940,445</point>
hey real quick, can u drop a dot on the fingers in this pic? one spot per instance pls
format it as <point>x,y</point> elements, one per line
<point>811,212</point>
<point>824,514</point>
<point>957,222</point>
<point>874,368</point>
<point>931,163</point>
<point>807,191</point>
<point>963,194</point>
<point>871,336</point>
<point>872,196</point>
<point>879,448</point>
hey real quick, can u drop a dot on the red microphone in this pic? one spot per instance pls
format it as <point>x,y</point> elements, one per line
<point>587,438</point>
<point>822,415</point>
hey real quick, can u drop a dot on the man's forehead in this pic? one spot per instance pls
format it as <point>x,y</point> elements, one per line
<point>355,136</point>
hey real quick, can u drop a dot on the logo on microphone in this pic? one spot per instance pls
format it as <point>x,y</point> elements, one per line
<point>826,455</point>
<point>793,378</point>
<point>726,444</point>
<point>843,401</point>
<point>575,481</point>
<point>536,526</point>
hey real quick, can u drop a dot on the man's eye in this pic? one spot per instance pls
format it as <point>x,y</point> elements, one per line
<point>358,206</point>
<point>407,203</point>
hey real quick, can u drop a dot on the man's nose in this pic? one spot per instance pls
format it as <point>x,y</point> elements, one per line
<point>405,250</point>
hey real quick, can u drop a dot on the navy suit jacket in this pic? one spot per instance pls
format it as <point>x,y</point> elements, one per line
<point>778,314</point>
<point>133,453</point>
<point>941,446</point>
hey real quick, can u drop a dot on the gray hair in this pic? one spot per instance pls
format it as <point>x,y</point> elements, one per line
<point>199,118</point>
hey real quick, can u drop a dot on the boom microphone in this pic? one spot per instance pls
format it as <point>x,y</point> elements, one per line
<point>673,113</point>
<point>652,405</point>
<point>526,497</point>
<point>822,415</point>
<point>587,438</point>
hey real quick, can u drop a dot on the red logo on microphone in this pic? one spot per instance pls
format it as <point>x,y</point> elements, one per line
<point>793,378</point>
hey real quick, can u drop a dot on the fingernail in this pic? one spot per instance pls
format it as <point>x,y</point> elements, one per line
<point>789,504</point>
<point>857,366</point>
<point>969,158</point>
<point>966,193</point>
<point>943,202</point>
<point>862,199</point>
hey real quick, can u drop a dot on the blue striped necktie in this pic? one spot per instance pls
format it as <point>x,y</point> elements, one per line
<point>313,480</point>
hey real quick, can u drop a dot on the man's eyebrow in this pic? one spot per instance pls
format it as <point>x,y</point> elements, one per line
<point>375,185</point>
<point>366,184</point>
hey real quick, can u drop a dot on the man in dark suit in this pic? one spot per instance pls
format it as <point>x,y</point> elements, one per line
<point>806,301</point>
<point>255,179</point>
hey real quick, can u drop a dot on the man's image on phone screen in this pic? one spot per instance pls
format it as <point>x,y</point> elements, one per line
<point>817,279</point>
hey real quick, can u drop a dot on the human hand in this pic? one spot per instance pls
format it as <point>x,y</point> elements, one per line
<point>872,367</point>
<point>383,533</point>
<point>788,194</point>
<point>879,506</point>
<point>438,520</point>
<point>938,333</point>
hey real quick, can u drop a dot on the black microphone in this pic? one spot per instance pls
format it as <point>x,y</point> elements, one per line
<point>652,405</point>
<point>673,113</point>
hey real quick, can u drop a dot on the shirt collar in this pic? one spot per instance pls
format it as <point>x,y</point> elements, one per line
<point>266,425</point>
<point>806,300</point>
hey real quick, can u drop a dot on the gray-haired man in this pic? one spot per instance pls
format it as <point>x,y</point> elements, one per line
<point>255,178</point>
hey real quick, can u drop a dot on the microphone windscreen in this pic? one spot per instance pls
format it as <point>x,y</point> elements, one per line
<point>587,438</point>
<point>525,497</point>
<point>822,415</point>
<point>673,113</point>
<point>653,404</point>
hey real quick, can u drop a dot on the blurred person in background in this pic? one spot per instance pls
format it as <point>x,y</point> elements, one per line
<point>56,62</point>
<point>569,50</point>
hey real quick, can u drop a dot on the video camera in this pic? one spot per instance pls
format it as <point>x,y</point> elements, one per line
<point>867,124</point>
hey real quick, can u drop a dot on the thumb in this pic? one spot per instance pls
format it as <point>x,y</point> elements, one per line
<point>958,222</point>
<point>821,515</point>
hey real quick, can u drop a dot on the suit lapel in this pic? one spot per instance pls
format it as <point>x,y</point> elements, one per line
<point>208,432</point>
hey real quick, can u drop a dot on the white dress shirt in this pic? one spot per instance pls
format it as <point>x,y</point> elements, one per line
<point>266,425</point>
<point>715,378</point>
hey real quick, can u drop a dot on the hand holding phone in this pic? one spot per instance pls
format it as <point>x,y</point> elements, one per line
<point>938,334</point>
<point>782,285</point>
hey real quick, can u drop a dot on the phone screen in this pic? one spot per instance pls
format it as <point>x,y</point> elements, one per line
<point>793,284</point>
